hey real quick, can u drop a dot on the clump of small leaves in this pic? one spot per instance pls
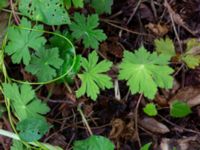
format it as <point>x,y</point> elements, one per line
<point>85,28</point>
<point>93,77</point>
<point>145,72</point>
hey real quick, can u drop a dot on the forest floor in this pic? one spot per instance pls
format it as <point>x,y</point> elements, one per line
<point>117,113</point>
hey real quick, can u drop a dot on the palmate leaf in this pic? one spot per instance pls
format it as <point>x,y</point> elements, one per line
<point>51,12</point>
<point>76,3</point>
<point>94,143</point>
<point>32,129</point>
<point>191,56</point>
<point>93,78</point>
<point>145,72</point>
<point>85,28</point>
<point>44,64</point>
<point>165,46</point>
<point>102,6</point>
<point>20,40</point>
<point>192,61</point>
<point>24,101</point>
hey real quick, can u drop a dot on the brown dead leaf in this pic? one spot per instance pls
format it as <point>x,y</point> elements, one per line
<point>129,131</point>
<point>153,125</point>
<point>158,29</point>
<point>112,47</point>
<point>118,126</point>
<point>121,130</point>
<point>189,94</point>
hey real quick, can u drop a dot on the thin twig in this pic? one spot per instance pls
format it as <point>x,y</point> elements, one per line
<point>134,11</point>
<point>84,119</point>
<point>136,119</point>
<point>13,12</point>
<point>122,28</point>
<point>176,33</point>
<point>173,124</point>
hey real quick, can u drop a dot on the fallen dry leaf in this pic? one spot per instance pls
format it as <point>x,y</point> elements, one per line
<point>158,29</point>
<point>121,130</point>
<point>118,126</point>
<point>189,94</point>
<point>153,125</point>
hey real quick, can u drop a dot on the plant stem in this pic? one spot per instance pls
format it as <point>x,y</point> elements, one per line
<point>13,12</point>
<point>9,134</point>
<point>14,136</point>
<point>84,119</point>
<point>136,119</point>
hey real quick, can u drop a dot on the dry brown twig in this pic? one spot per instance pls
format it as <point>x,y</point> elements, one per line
<point>177,19</point>
<point>136,119</point>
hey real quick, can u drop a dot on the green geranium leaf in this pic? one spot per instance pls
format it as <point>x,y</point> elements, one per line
<point>150,109</point>
<point>24,101</point>
<point>76,3</point>
<point>165,46</point>
<point>17,145</point>
<point>66,52</point>
<point>179,109</point>
<point>145,72</point>
<point>44,64</point>
<point>84,28</point>
<point>191,56</point>
<point>32,129</point>
<point>20,40</point>
<point>102,6</point>
<point>51,12</point>
<point>94,143</point>
<point>192,61</point>
<point>93,78</point>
